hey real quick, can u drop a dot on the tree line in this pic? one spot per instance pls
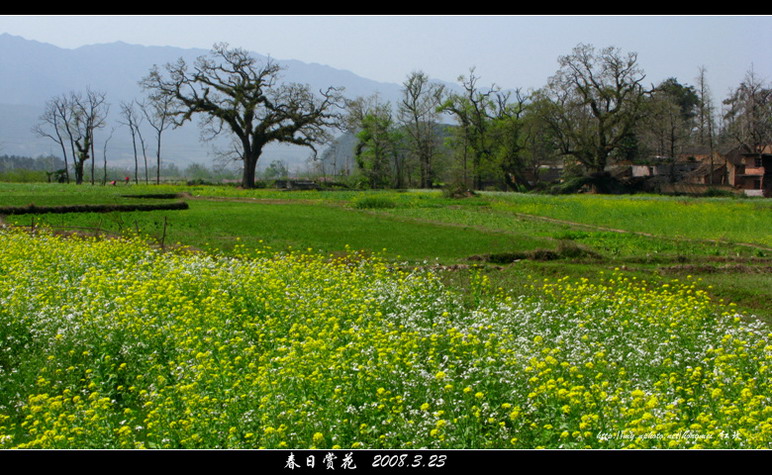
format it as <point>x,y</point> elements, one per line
<point>50,168</point>
<point>41,163</point>
<point>595,110</point>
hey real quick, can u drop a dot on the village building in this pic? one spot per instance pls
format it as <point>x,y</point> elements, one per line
<point>739,171</point>
<point>751,170</point>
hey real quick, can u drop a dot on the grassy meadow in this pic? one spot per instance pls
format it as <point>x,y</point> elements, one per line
<point>384,319</point>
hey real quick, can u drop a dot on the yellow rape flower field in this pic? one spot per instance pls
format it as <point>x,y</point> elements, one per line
<point>108,343</point>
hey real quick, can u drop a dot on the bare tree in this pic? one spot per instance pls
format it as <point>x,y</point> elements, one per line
<point>90,113</point>
<point>594,101</point>
<point>133,121</point>
<point>229,89</point>
<point>74,118</point>
<point>706,119</point>
<point>158,112</point>
<point>53,124</point>
<point>749,113</point>
<point>418,113</point>
<point>104,156</point>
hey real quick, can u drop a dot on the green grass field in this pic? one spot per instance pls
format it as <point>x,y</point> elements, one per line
<point>260,318</point>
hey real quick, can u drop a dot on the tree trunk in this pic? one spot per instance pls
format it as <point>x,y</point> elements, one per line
<point>92,163</point>
<point>250,166</point>
<point>158,159</point>
<point>66,164</point>
<point>79,171</point>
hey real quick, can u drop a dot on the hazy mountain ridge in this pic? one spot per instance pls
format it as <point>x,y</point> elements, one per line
<point>31,73</point>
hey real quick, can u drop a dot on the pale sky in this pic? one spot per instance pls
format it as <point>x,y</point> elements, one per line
<point>510,51</point>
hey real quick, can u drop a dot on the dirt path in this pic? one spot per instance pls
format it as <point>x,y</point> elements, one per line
<point>573,224</point>
<point>638,233</point>
<point>246,199</point>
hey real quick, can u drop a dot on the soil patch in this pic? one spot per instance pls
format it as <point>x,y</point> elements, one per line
<point>33,209</point>
<point>707,269</point>
<point>160,196</point>
<point>565,250</point>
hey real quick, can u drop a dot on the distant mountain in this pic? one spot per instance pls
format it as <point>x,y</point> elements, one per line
<point>31,73</point>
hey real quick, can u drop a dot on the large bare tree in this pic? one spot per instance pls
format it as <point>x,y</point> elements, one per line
<point>229,88</point>
<point>593,103</point>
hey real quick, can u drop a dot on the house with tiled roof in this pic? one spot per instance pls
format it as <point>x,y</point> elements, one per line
<point>751,170</point>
